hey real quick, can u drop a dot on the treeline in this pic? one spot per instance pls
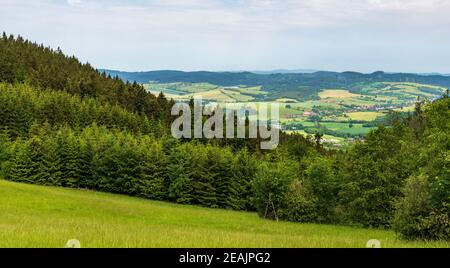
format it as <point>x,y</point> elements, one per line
<point>22,107</point>
<point>398,177</point>
<point>120,162</point>
<point>22,61</point>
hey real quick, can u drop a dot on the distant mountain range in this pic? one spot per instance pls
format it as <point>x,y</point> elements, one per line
<point>433,74</point>
<point>274,71</point>
<point>159,75</point>
<point>286,71</point>
<point>300,85</point>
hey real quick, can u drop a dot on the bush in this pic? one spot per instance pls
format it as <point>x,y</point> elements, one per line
<point>299,204</point>
<point>413,207</point>
<point>270,187</point>
<point>324,186</point>
<point>417,216</point>
<point>373,176</point>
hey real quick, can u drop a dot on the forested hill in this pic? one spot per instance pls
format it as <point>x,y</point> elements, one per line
<point>63,123</point>
<point>310,83</point>
<point>22,61</point>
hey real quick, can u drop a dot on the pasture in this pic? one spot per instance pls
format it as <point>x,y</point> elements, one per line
<point>40,216</point>
<point>364,116</point>
<point>336,93</point>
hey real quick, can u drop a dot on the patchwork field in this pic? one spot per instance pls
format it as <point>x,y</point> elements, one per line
<point>403,90</point>
<point>38,216</point>
<point>206,91</point>
<point>339,106</point>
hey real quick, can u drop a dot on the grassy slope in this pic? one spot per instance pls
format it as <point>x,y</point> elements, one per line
<point>37,216</point>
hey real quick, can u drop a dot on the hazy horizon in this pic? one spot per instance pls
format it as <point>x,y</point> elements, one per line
<point>271,71</point>
<point>234,35</point>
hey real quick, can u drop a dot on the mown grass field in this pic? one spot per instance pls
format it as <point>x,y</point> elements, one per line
<point>38,216</point>
<point>364,116</point>
<point>336,93</point>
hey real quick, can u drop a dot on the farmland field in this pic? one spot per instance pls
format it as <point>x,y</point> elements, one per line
<point>39,216</point>
<point>346,128</point>
<point>364,116</point>
<point>336,93</point>
<point>333,108</point>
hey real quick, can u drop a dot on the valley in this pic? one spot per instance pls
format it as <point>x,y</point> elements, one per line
<point>66,125</point>
<point>340,114</point>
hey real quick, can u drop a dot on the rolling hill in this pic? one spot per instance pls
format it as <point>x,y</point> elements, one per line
<point>302,86</point>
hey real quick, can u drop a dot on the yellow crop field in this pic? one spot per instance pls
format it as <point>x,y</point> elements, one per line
<point>336,93</point>
<point>364,116</point>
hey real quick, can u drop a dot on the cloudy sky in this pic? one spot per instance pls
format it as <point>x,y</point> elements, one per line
<point>137,35</point>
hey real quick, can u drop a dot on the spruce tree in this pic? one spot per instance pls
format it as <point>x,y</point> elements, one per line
<point>153,169</point>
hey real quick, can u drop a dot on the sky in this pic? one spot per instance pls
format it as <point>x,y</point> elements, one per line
<point>231,35</point>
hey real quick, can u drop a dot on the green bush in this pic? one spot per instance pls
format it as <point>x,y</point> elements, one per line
<point>417,216</point>
<point>424,211</point>
<point>299,204</point>
<point>324,186</point>
<point>270,187</point>
<point>374,173</point>
<point>413,207</point>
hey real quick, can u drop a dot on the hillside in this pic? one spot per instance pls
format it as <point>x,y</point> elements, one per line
<point>342,106</point>
<point>339,113</point>
<point>38,216</point>
<point>23,61</point>
<point>298,85</point>
<point>102,139</point>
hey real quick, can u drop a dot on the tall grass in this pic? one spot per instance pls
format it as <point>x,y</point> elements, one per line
<point>38,216</point>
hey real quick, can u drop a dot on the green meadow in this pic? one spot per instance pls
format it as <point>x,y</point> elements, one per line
<point>40,216</point>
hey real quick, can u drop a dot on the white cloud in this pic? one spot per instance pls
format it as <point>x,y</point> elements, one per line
<point>241,34</point>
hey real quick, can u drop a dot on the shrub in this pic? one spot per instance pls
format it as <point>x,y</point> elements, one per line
<point>324,186</point>
<point>413,207</point>
<point>270,187</point>
<point>417,216</point>
<point>299,204</point>
<point>374,174</point>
